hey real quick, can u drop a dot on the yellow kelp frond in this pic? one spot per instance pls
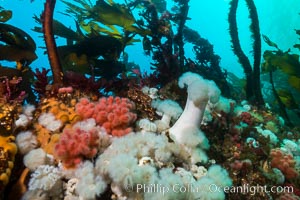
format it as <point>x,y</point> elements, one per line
<point>73,9</point>
<point>269,42</point>
<point>5,15</point>
<point>267,65</point>
<point>287,99</point>
<point>106,18</point>
<point>288,63</point>
<point>86,4</point>
<point>79,64</point>
<point>77,10</point>
<point>131,41</point>
<point>294,81</point>
<point>112,14</point>
<point>113,29</point>
<point>92,27</point>
<point>140,31</point>
<point>110,2</point>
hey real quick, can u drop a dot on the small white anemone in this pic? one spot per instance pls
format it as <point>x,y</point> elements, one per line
<point>224,104</point>
<point>28,109</point>
<point>291,146</point>
<point>26,116</point>
<point>22,121</point>
<point>198,171</point>
<point>44,177</point>
<point>26,141</point>
<point>145,89</point>
<point>147,126</point>
<point>49,121</point>
<point>151,92</point>
<point>146,160</point>
<point>169,110</point>
<point>37,157</point>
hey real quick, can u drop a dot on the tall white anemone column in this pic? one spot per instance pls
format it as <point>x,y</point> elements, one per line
<point>186,130</point>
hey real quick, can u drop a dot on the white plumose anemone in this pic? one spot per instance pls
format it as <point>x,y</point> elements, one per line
<point>200,91</point>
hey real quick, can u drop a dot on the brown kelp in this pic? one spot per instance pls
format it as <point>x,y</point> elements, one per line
<point>108,47</point>
<point>166,43</point>
<point>206,62</point>
<point>5,15</point>
<point>92,49</point>
<point>59,29</point>
<point>181,18</point>
<point>18,45</point>
<point>253,89</point>
<point>160,43</point>
<point>160,40</point>
<point>165,46</point>
<point>82,51</point>
<point>47,20</point>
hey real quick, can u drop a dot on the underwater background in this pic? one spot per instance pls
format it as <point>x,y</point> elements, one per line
<point>209,18</point>
<point>149,99</point>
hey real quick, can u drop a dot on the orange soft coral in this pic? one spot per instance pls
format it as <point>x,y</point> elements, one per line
<point>8,112</point>
<point>8,150</point>
<point>62,111</point>
<point>113,113</point>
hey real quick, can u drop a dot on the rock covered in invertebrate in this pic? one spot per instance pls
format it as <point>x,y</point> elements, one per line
<point>8,150</point>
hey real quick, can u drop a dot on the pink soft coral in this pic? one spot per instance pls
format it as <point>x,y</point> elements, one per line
<point>284,162</point>
<point>75,144</point>
<point>85,108</point>
<point>113,113</point>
